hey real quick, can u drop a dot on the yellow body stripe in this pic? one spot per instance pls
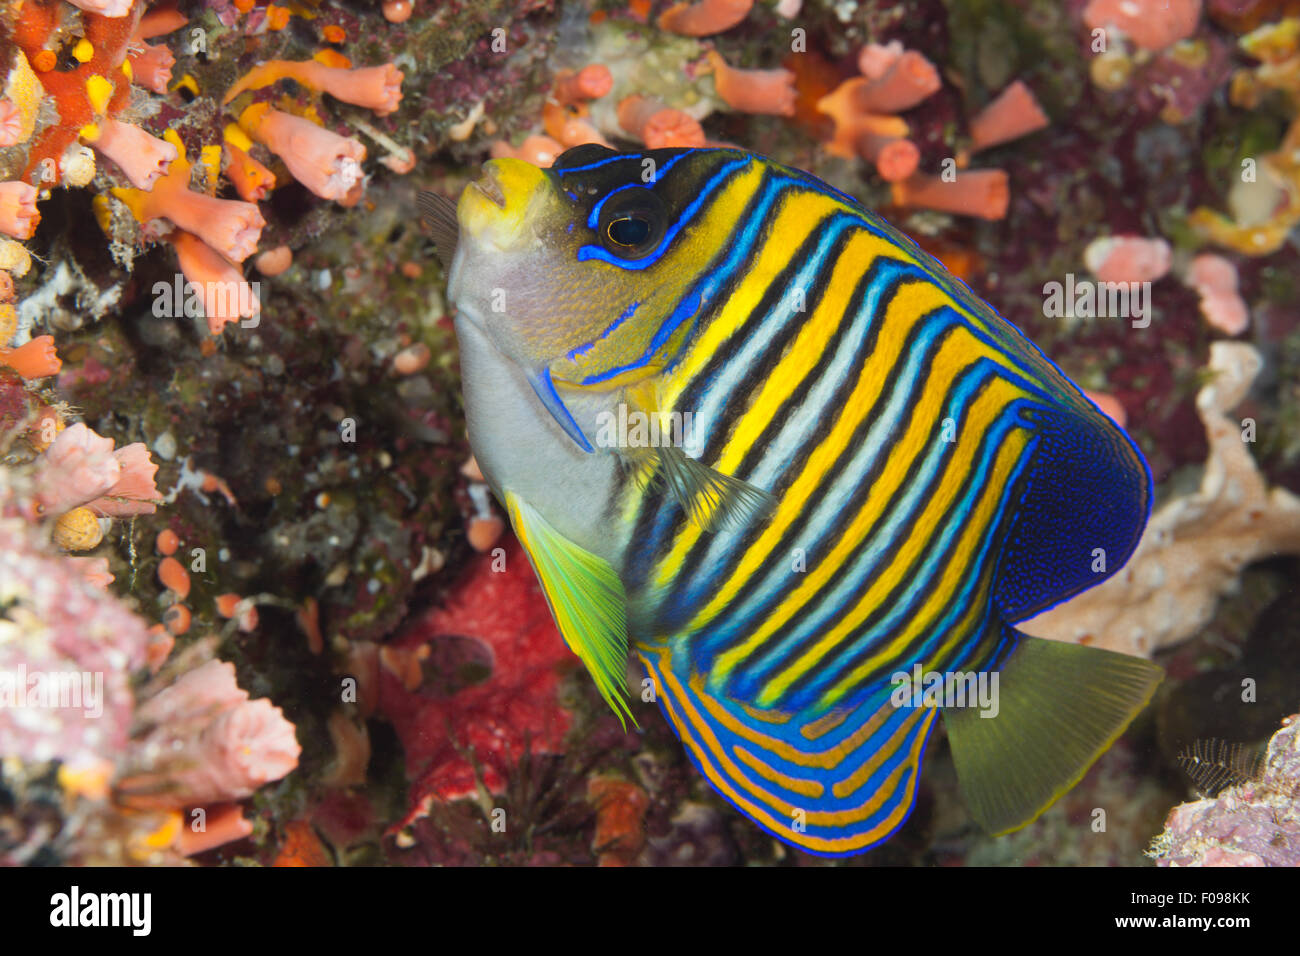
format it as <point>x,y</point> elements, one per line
<point>941,595</point>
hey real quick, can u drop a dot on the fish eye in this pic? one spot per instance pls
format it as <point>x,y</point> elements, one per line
<point>632,223</point>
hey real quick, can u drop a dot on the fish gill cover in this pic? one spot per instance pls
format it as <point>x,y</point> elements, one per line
<point>260,602</point>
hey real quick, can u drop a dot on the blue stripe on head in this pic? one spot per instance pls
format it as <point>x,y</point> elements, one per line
<point>602,255</point>
<point>705,289</point>
<point>595,165</point>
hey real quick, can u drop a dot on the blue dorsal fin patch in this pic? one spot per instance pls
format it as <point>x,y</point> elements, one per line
<point>1084,508</point>
<point>833,784</point>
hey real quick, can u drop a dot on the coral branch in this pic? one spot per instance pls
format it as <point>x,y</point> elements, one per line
<point>753,91</point>
<point>704,18</point>
<point>144,158</point>
<point>326,163</point>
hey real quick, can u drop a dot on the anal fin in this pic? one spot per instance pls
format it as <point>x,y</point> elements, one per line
<point>1060,706</point>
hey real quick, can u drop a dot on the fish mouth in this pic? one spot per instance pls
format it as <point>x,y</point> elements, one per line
<point>490,188</point>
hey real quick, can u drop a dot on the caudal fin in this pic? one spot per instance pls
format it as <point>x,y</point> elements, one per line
<point>1060,706</point>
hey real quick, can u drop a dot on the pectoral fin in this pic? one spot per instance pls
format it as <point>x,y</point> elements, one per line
<point>1059,707</point>
<point>711,499</point>
<point>586,598</point>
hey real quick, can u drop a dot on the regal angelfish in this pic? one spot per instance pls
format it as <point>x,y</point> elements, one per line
<point>880,474</point>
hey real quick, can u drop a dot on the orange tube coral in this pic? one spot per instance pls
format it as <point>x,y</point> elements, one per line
<point>896,159</point>
<point>1014,113</point>
<point>152,69</point>
<point>538,150</point>
<point>753,91</point>
<point>656,125</point>
<point>982,192</point>
<point>326,163</point>
<point>159,21</point>
<point>853,124</point>
<point>144,158</point>
<point>906,83</point>
<point>589,83</point>
<point>251,179</point>
<point>704,18</point>
<point>230,227</point>
<point>35,359</point>
<point>221,825</point>
<point>378,88</point>
<point>226,296</point>
<point>569,130</point>
<point>18,214</point>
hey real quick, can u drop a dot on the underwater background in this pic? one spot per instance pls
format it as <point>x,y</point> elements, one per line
<point>249,509</point>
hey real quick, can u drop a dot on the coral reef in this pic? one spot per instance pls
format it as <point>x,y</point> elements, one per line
<point>234,476</point>
<point>1254,822</point>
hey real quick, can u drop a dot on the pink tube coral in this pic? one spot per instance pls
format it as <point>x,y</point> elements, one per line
<point>251,179</point>
<point>34,359</point>
<point>1128,258</point>
<point>205,742</point>
<point>704,18</point>
<point>569,130</point>
<point>326,163</point>
<point>78,467</point>
<point>144,158</point>
<point>855,126</point>
<point>539,150</point>
<point>104,8</point>
<point>589,83</point>
<point>11,123</point>
<point>134,492</point>
<point>229,226</point>
<point>1012,114</point>
<point>910,79</point>
<point>984,193</point>
<point>377,88</point>
<point>753,91</point>
<point>1215,280</point>
<point>1151,24</point>
<point>18,215</point>
<point>152,69</point>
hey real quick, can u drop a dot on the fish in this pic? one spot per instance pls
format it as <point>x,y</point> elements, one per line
<point>752,436</point>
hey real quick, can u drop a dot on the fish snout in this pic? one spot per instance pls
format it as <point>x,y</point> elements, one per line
<point>495,207</point>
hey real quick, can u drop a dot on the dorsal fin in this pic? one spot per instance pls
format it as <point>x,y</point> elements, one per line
<point>439,214</point>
